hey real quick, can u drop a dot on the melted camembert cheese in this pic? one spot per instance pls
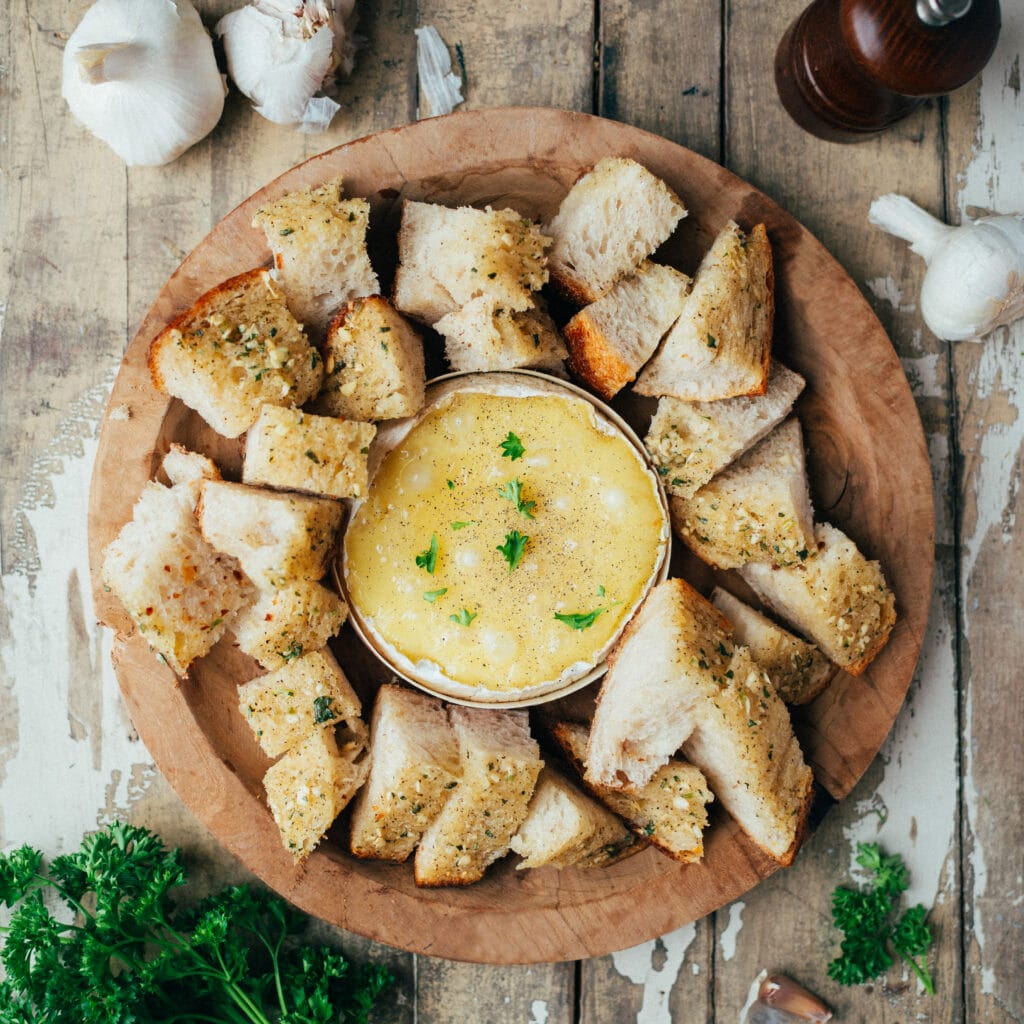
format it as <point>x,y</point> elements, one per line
<point>595,540</point>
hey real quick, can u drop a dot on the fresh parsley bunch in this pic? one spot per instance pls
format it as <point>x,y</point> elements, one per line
<point>129,956</point>
<point>867,920</point>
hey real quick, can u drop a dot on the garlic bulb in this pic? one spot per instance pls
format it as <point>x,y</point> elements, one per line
<point>281,52</point>
<point>975,278</point>
<point>141,75</point>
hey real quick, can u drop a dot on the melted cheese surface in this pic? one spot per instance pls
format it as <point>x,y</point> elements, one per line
<point>595,541</point>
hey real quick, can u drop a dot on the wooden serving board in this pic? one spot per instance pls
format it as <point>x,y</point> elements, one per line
<point>870,476</point>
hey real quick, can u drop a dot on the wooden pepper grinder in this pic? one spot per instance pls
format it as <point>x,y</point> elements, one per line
<point>846,69</point>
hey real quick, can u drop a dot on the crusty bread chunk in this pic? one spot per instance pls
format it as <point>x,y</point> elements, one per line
<point>283,624</point>
<point>312,784</point>
<point>500,764</point>
<point>297,451</point>
<point>721,344</point>
<point>837,598</point>
<point>756,510</point>
<point>277,538</point>
<point>449,257</point>
<point>309,693</point>
<point>612,219</point>
<point>178,590</point>
<point>185,467</point>
<point>692,441</point>
<point>611,339</point>
<point>565,827</point>
<point>676,681</point>
<point>480,337</point>
<point>797,669</point>
<point>374,364</point>
<point>237,349</point>
<point>318,239</point>
<point>670,812</point>
<point>415,768</point>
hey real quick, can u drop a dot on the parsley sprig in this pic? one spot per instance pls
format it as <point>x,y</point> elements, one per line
<point>866,918</point>
<point>130,955</point>
<point>580,620</point>
<point>513,491</point>
<point>428,559</point>
<point>512,448</point>
<point>514,548</point>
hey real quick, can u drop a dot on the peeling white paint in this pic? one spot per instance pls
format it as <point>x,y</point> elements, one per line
<point>538,1012</point>
<point>637,965</point>
<point>727,941</point>
<point>923,372</point>
<point>886,289</point>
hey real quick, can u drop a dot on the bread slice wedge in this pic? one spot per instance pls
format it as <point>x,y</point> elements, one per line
<point>797,669</point>
<point>186,467</point>
<point>237,349</point>
<point>690,442</point>
<point>669,812</point>
<point>500,764</point>
<point>611,339</point>
<point>677,681</point>
<point>721,344</point>
<point>415,768</point>
<point>756,510</point>
<point>565,827</point>
<point>318,239</point>
<point>481,337</point>
<point>448,257</point>
<point>836,597</point>
<point>373,359</point>
<point>612,219</point>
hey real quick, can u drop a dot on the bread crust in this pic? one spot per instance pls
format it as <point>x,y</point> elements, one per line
<point>592,359</point>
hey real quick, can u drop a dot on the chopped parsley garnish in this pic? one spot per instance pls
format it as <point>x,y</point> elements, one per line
<point>513,549</point>
<point>712,341</point>
<point>322,710</point>
<point>600,591</point>
<point>513,491</point>
<point>433,595</point>
<point>286,231</point>
<point>580,620</point>
<point>512,448</point>
<point>464,618</point>
<point>295,651</point>
<point>428,559</point>
<point>451,485</point>
<point>461,524</point>
<point>311,455</point>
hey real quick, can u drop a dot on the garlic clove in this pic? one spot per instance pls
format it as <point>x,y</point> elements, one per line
<point>440,88</point>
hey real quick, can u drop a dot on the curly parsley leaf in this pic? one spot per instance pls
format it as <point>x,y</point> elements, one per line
<point>322,710</point>
<point>512,448</point>
<point>580,620</point>
<point>428,559</point>
<point>464,617</point>
<point>514,548</point>
<point>433,595</point>
<point>513,491</point>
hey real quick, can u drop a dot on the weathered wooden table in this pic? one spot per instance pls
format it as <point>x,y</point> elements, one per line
<point>87,245</point>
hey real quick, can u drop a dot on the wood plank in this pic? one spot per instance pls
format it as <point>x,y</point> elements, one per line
<point>985,176</point>
<point>829,188</point>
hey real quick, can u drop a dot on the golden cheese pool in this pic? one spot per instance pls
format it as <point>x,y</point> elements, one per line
<point>505,541</point>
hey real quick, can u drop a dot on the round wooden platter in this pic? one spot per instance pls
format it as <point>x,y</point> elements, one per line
<point>870,476</point>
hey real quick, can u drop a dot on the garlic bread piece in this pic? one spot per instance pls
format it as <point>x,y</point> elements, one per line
<point>374,364</point>
<point>500,764</point>
<point>690,442</point>
<point>186,467</point>
<point>721,344</point>
<point>298,451</point>
<point>612,219</point>
<point>836,597</point>
<point>237,349</point>
<point>415,768</point>
<point>318,239</point>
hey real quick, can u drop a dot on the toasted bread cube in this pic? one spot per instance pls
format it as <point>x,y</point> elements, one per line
<point>284,624</point>
<point>565,827</point>
<point>185,467</point>
<point>236,350</point>
<point>677,681</point>
<point>690,442</point>
<point>837,598</point>
<point>500,764</point>
<point>757,510</point>
<point>611,339</point>
<point>612,219</point>
<point>415,768</point>
<point>374,364</point>
<point>797,669</point>
<point>311,785</point>
<point>308,693</point>
<point>721,344</point>
<point>318,239</point>
<point>449,257</point>
<point>295,450</point>
<point>277,538</point>
<point>670,812</point>
<point>178,590</point>
<point>480,337</point>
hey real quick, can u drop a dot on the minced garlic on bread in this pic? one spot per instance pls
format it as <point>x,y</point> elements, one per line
<point>237,349</point>
<point>298,451</point>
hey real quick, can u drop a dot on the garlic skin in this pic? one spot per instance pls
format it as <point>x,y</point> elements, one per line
<point>141,75</point>
<point>975,278</point>
<point>281,52</point>
<point>440,88</point>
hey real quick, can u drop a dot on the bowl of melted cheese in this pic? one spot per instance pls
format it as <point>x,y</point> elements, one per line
<point>510,531</point>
